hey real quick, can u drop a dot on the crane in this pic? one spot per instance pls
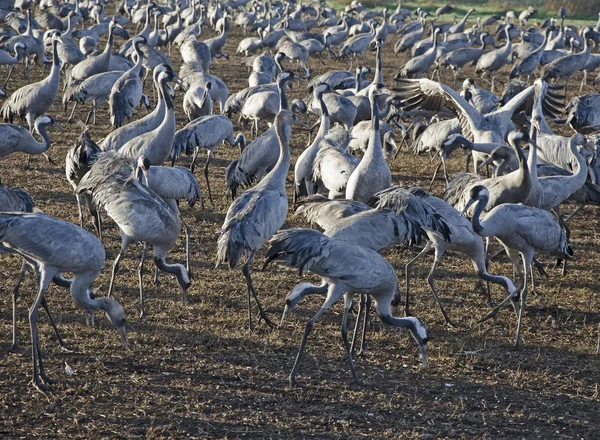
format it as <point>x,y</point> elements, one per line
<point>346,268</point>
<point>55,246</point>
<point>258,213</point>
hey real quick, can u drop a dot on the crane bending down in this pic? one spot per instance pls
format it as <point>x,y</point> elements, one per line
<point>140,214</point>
<point>523,231</point>
<point>346,268</point>
<point>258,213</point>
<point>462,239</point>
<point>54,246</point>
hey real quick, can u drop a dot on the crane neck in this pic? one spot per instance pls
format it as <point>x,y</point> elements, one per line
<point>146,30</point>
<point>43,146</point>
<point>109,43</point>
<point>69,31</point>
<point>166,96</point>
<point>283,102</point>
<point>532,159</point>
<point>137,67</point>
<point>378,79</point>
<point>475,220</point>
<point>279,173</point>
<point>582,169</point>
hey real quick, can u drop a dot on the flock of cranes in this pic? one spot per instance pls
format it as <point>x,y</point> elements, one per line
<point>341,181</point>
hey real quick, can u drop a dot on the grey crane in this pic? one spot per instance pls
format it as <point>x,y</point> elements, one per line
<point>361,134</point>
<point>78,162</point>
<point>216,44</point>
<point>509,188</point>
<point>583,115</point>
<point>205,132</point>
<point>140,214</point>
<point>194,51</point>
<point>127,92</point>
<point>265,105</point>
<point>117,138</point>
<point>341,109</point>
<point>193,77</point>
<point>258,213</point>
<point>172,184</point>
<point>415,67</point>
<point>303,170</point>
<point>17,200</point>
<point>408,40</point>
<point>493,127</point>
<point>155,145</point>
<point>33,100</point>
<point>528,63</point>
<point>257,159</point>
<point>197,101</point>
<point>459,58</point>
<point>333,165</point>
<point>55,246</point>
<point>483,100</point>
<point>523,231</point>
<point>372,173</point>
<point>8,59</point>
<point>493,60</point>
<point>459,236</point>
<point>346,268</point>
<point>356,45</point>
<point>567,66</point>
<point>94,64</point>
<point>17,139</point>
<point>295,52</point>
<point>95,88</point>
<point>460,26</point>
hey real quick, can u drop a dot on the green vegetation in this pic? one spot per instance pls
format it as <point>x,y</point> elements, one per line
<point>579,11</point>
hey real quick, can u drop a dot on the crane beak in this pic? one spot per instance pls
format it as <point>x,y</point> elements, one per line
<point>57,125</point>
<point>177,80</point>
<point>284,316</point>
<point>423,355</point>
<point>466,208</point>
<point>485,163</point>
<point>123,334</point>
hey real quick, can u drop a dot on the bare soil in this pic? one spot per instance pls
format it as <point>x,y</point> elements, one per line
<point>198,371</point>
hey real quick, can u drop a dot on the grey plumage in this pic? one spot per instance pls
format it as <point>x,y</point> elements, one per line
<point>258,213</point>
<point>138,211</point>
<point>346,268</point>
<point>56,246</point>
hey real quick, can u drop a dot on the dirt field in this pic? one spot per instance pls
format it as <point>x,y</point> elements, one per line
<point>198,371</point>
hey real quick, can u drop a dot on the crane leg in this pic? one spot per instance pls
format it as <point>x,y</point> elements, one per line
<point>115,267</point>
<point>77,196</point>
<point>332,297</point>
<point>435,295</point>
<point>15,296</point>
<point>347,305</point>
<point>206,176</point>
<point>366,321</point>
<point>361,308</point>
<point>72,112</point>
<point>39,375</point>
<point>140,276</point>
<point>435,174</point>
<point>251,291</point>
<point>8,77</point>
<point>527,267</point>
<point>407,270</point>
<point>194,157</point>
<point>61,342</point>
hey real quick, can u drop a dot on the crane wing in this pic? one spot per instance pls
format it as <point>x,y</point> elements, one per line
<point>425,94</point>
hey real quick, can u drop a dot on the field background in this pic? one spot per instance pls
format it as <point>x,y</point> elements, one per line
<point>197,371</point>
